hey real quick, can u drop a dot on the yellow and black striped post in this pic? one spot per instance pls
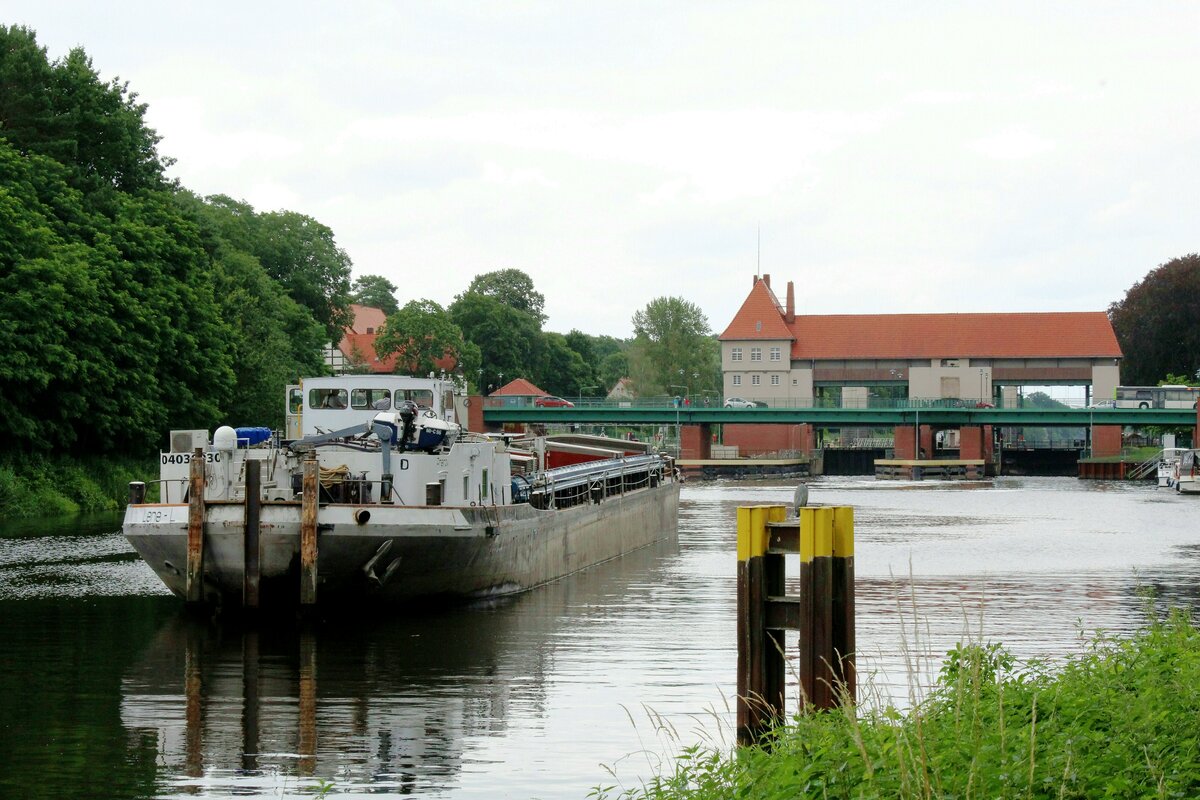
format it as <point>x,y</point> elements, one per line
<point>760,651</point>
<point>845,677</point>
<point>822,611</point>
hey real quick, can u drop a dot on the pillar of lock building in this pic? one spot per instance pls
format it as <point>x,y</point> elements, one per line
<point>970,442</point>
<point>695,442</point>
<point>1106,440</point>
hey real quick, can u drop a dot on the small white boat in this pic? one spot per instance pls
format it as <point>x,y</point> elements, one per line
<point>1186,474</point>
<point>1168,460</point>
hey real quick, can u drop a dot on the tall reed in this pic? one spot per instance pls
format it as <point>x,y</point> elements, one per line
<point>1122,719</point>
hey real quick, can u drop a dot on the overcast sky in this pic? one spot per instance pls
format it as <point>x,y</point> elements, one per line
<point>897,157</point>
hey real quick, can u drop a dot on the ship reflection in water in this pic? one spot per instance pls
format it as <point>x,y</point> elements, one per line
<point>381,704</point>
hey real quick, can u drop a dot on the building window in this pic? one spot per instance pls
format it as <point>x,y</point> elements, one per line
<point>754,380</point>
<point>756,354</point>
<point>737,380</point>
<point>774,380</point>
<point>735,354</point>
<point>776,354</point>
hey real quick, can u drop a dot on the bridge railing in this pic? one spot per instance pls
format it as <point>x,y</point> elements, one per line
<point>717,401</point>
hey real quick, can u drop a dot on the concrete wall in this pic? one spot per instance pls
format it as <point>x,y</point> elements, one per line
<point>974,383</point>
<point>855,397</point>
<point>1105,379</point>
<point>802,389</point>
<point>747,370</point>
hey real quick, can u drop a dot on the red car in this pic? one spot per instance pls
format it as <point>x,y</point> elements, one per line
<point>550,401</point>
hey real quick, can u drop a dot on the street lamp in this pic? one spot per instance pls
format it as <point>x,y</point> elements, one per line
<point>678,439</point>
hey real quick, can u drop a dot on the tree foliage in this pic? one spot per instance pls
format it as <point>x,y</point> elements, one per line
<point>559,368</point>
<point>506,337</point>
<point>513,288</point>
<point>425,339</point>
<point>300,253</point>
<point>128,305</point>
<point>62,110</point>
<point>1155,323</point>
<point>375,291</point>
<point>673,348</point>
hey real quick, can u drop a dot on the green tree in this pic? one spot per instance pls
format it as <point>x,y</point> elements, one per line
<point>301,254</point>
<point>507,339</point>
<point>672,346</point>
<point>513,288</point>
<point>1155,323</point>
<point>274,340</point>
<point>113,148</point>
<point>63,110</point>
<point>127,305</point>
<point>560,369</point>
<point>425,338</point>
<point>110,330</point>
<point>375,291</point>
<point>613,367</point>
<point>27,118</point>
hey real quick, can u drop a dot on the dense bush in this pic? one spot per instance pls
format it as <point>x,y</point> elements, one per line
<point>37,486</point>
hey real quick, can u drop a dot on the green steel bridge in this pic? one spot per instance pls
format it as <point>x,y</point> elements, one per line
<point>667,414</point>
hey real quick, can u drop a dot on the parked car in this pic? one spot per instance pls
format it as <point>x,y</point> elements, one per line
<point>738,402</point>
<point>985,404</point>
<point>550,401</point>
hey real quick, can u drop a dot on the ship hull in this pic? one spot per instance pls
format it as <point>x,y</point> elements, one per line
<point>401,553</point>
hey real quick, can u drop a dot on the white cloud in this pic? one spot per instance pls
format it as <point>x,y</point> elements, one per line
<point>1013,143</point>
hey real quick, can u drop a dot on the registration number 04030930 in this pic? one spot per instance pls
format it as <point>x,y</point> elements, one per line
<point>186,458</point>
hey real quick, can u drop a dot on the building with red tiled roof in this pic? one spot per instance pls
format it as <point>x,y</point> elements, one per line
<point>771,353</point>
<point>517,392</point>
<point>518,387</point>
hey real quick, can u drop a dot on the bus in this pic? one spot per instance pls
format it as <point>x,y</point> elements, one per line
<point>1156,396</point>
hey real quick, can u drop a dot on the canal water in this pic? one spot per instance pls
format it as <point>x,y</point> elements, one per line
<point>108,690</point>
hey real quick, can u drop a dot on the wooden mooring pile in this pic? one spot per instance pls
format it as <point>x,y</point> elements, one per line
<point>251,578</point>
<point>822,611</point>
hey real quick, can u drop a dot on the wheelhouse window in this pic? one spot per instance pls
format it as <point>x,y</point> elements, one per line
<point>326,398</point>
<point>295,400</point>
<point>422,397</point>
<point>380,399</point>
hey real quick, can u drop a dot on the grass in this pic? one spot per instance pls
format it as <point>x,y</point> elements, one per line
<point>1120,720</point>
<point>40,486</point>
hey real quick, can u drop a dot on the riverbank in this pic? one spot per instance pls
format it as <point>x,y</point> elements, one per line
<point>43,486</point>
<point>1121,720</point>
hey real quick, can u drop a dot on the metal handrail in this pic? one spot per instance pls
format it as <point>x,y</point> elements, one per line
<point>1144,469</point>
